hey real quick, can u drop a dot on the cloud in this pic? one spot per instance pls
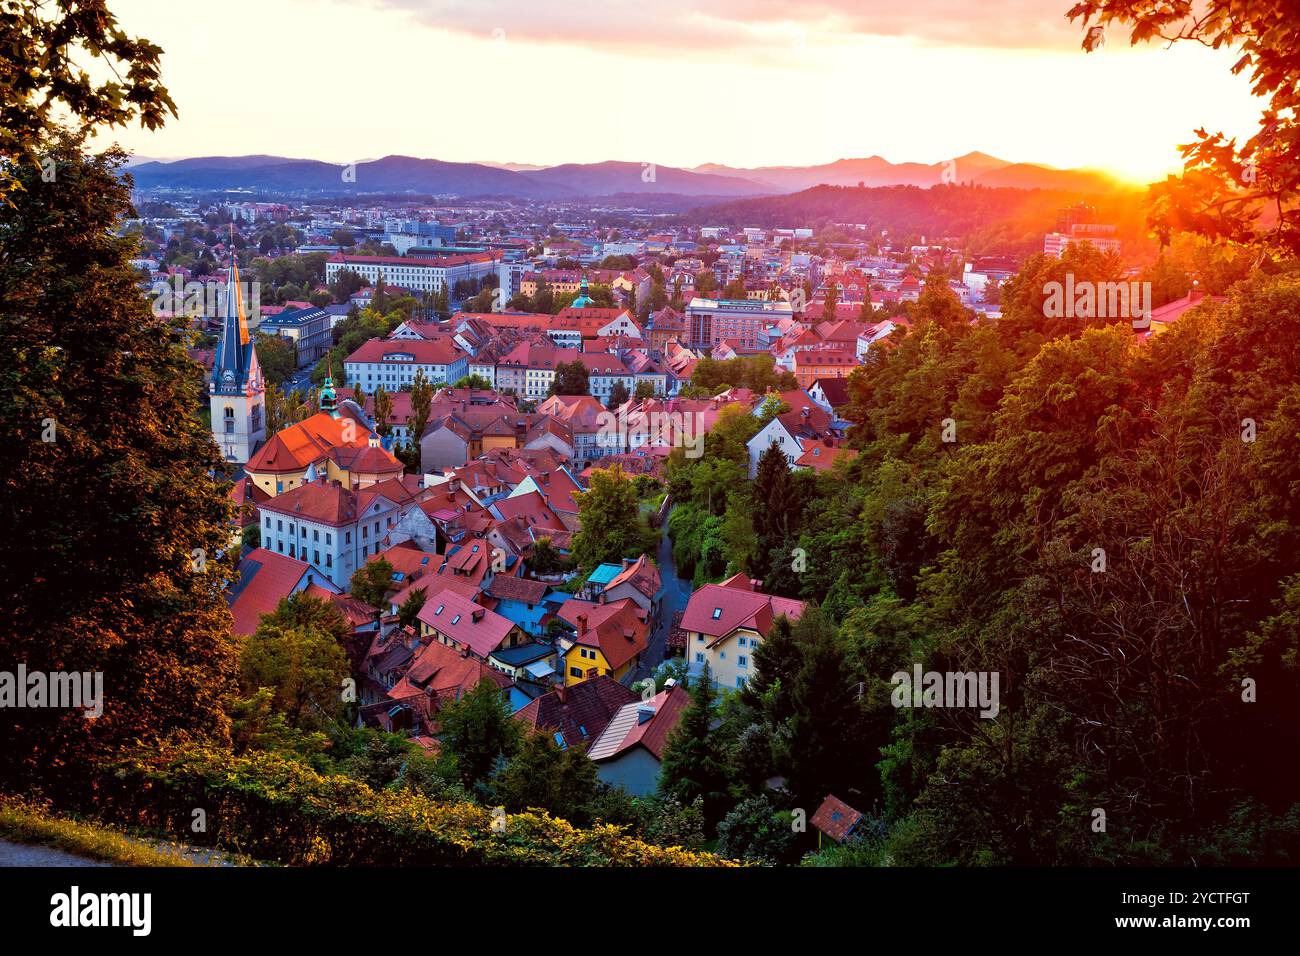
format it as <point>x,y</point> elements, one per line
<point>739,26</point>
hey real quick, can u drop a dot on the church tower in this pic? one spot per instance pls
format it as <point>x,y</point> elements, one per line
<point>237,395</point>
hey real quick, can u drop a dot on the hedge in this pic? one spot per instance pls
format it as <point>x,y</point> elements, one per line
<point>276,809</point>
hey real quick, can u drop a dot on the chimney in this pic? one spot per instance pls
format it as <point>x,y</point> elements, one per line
<point>562,691</point>
<point>582,624</point>
<point>477,615</point>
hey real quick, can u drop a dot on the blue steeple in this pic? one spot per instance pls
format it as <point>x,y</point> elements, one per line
<point>234,360</point>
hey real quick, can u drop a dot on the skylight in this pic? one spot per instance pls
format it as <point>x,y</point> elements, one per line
<point>717,613</point>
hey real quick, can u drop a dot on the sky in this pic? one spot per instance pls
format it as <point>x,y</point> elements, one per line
<point>676,82</point>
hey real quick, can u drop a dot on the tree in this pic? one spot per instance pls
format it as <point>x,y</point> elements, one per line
<point>1224,188</point>
<point>421,399</point>
<point>611,526</point>
<point>44,52</point>
<point>276,356</point>
<point>571,378</point>
<point>372,581</point>
<point>301,661</point>
<point>478,731</point>
<point>410,609</point>
<point>644,389</point>
<point>546,558</point>
<point>542,776</point>
<point>618,396</point>
<point>476,381</point>
<point>830,302</point>
<point>120,534</point>
<point>346,283</point>
<point>383,406</point>
<point>692,767</point>
<point>774,515</point>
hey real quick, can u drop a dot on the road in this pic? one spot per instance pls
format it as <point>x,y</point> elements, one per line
<point>19,854</point>
<point>677,591</point>
<point>300,381</point>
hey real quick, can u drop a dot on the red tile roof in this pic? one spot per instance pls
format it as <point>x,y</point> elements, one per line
<point>464,622</point>
<point>579,713</point>
<point>735,604</point>
<point>836,819</point>
<point>264,579</point>
<point>617,629</point>
<point>627,730</point>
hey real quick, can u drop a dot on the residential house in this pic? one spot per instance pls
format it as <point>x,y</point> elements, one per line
<point>725,623</point>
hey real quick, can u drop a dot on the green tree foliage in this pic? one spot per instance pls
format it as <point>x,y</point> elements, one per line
<point>410,608</point>
<point>477,732</point>
<point>571,378</point>
<point>542,776</point>
<point>372,581</point>
<point>115,531</point>
<point>693,767</point>
<point>277,356</point>
<point>297,653</point>
<point>618,396</point>
<point>611,524</point>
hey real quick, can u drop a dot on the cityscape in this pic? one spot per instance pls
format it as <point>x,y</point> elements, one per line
<point>469,510</point>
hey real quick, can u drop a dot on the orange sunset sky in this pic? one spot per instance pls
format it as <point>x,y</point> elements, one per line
<point>676,82</point>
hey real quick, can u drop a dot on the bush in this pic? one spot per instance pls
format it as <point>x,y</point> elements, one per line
<point>274,808</point>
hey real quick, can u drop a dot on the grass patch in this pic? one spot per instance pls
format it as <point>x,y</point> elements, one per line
<point>28,823</point>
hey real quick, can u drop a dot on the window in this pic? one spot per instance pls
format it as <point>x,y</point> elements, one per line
<point>348,539</point>
<point>740,681</point>
<point>329,560</point>
<point>699,657</point>
<point>328,540</point>
<point>439,611</point>
<point>740,641</point>
<point>722,655</point>
<point>456,619</point>
<point>279,525</point>
<point>315,536</point>
<point>742,661</point>
<point>315,559</point>
<point>699,639</point>
<point>717,613</point>
<point>575,671</point>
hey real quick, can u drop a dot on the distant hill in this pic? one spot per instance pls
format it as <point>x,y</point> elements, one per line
<point>973,168</point>
<point>406,174</point>
<point>603,179</point>
<point>395,175</point>
<point>391,174</point>
<point>995,220</point>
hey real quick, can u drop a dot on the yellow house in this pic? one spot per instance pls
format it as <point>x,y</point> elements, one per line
<point>607,639</point>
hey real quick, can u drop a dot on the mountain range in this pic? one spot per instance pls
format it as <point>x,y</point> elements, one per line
<point>406,174</point>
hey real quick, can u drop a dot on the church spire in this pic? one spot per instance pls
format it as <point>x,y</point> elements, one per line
<point>234,357</point>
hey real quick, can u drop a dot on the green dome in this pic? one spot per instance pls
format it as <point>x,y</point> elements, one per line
<point>583,300</point>
<point>329,401</point>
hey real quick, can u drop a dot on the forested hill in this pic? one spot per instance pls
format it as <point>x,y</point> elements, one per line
<point>993,221</point>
